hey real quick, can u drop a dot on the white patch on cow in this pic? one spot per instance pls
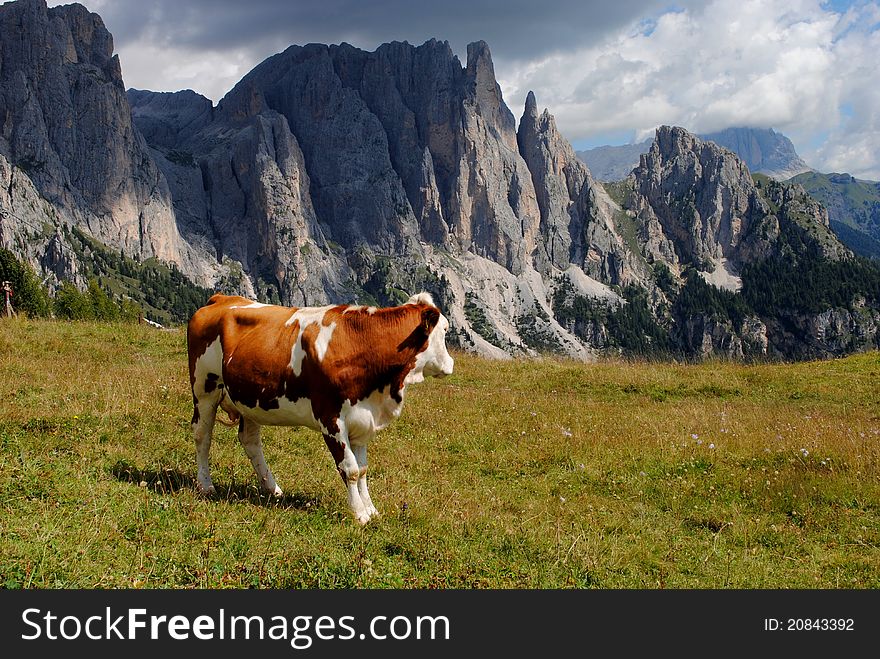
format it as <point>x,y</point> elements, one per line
<point>288,413</point>
<point>323,340</point>
<point>435,359</point>
<point>422,297</point>
<point>209,362</point>
<point>252,305</point>
<point>370,415</point>
<point>360,307</point>
<point>309,316</point>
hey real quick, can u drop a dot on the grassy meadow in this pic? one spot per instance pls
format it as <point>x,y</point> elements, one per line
<point>537,474</point>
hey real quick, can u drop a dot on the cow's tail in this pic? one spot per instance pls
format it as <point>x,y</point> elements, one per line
<point>229,408</point>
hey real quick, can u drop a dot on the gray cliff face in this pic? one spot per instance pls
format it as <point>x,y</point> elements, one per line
<point>167,119</point>
<point>700,196</point>
<point>703,336</point>
<point>559,179</point>
<point>67,126</point>
<point>577,216</point>
<point>831,333</point>
<point>241,196</point>
<point>30,225</point>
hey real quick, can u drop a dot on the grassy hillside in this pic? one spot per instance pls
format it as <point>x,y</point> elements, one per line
<point>163,292</point>
<point>506,474</point>
<point>852,204</point>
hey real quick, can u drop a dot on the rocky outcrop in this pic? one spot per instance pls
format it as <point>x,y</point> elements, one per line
<point>830,333</point>
<point>577,215</point>
<point>68,128</point>
<point>701,196</point>
<point>704,336</point>
<point>167,119</point>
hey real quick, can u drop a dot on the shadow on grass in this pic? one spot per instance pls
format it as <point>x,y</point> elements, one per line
<point>168,481</point>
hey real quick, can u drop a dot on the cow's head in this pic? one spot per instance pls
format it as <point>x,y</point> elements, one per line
<point>434,360</point>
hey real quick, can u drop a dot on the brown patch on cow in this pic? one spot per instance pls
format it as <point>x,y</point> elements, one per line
<point>337,450</point>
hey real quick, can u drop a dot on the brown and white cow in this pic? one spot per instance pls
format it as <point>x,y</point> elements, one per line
<point>341,370</point>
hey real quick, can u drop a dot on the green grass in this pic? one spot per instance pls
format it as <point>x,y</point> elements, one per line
<point>538,474</point>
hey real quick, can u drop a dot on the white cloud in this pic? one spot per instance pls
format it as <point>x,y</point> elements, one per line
<point>791,65</point>
<point>794,65</point>
<point>211,73</point>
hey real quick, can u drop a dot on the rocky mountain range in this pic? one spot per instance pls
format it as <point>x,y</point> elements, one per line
<point>611,163</point>
<point>764,151</point>
<point>333,174</point>
<point>853,205</point>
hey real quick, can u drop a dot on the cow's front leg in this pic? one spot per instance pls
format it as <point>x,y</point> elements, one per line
<point>348,469</point>
<point>360,454</point>
<point>249,436</point>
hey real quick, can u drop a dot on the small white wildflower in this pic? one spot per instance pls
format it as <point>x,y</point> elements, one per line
<point>699,441</point>
<point>711,445</point>
<point>581,466</point>
<point>566,432</point>
<point>562,499</point>
<point>804,452</point>
<point>822,463</point>
<point>642,473</point>
<point>523,432</point>
<point>534,414</point>
<point>694,436</point>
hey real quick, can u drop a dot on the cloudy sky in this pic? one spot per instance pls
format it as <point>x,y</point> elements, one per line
<point>609,71</point>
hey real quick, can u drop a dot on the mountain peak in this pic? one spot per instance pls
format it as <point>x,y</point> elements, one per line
<point>531,105</point>
<point>764,150</point>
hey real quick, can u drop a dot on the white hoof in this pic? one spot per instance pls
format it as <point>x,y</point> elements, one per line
<point>362,518</point>
<point>207,491</point>
<point>277,492</point>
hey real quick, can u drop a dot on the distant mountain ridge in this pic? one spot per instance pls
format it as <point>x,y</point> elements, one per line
<point>613,163</point>
<point>764,151</point>
<point>853,207</point>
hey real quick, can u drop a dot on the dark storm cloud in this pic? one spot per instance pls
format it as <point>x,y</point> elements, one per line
<point>514,30</point>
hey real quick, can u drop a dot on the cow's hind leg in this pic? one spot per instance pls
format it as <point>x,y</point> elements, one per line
<point>348,469</point>
<point>204,413</point>
<point>249,436</point>
<point>360,454</point>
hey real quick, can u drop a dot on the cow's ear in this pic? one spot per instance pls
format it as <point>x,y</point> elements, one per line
<point>430,317</point>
